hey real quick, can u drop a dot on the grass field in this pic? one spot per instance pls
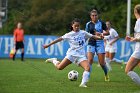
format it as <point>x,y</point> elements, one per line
<point>35,76</point>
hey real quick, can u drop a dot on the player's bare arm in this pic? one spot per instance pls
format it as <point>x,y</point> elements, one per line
<point>114,40</point>
<point>53,42</point>
<point>97,37</point>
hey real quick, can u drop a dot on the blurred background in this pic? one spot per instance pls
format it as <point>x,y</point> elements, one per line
<point>53,17</point>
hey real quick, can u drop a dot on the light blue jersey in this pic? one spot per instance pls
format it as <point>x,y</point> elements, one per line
<point>96,45</point>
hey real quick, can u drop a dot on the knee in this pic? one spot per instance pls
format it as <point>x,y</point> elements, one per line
<point>87,68</point>
<point>90,60</point>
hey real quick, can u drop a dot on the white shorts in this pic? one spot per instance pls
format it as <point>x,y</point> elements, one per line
<point>75,59</point>
<point>110,49</point>
<point>136,54</point>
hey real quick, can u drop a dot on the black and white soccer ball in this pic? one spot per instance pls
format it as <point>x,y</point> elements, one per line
<point>73,75</point>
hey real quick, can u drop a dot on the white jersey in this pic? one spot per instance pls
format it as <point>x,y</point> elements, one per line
<point>111,37</point>
<point>77,42</point>
<point>136,53</point>
<point>137,34</point>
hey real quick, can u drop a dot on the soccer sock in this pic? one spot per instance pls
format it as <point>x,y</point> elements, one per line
<point>107,60</point>
<point>134,76</point>
<point>85,77</point>
<point>90,71</point>
<point>22,56</point>
<point>105,69</point>
<point>90,68</point>
<point>55,62</point>
<point>117,60</point>
<point>14,56</point>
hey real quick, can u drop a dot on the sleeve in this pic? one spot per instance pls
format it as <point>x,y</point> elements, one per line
<point>87,29</point>
<point>138,26</point>
<point>87,35</point>
<point>65,37</point>
<point>114,33</point>
<point>106,37</point>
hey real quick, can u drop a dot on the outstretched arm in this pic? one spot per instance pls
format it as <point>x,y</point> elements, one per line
<point>53,42</point>
<point>97,37</point>
<point>114,40</point>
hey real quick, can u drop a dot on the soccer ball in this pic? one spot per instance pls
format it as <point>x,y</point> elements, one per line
<point>73,75</point>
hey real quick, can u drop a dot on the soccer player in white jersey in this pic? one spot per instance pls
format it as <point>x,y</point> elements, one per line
<point>111,45</point>
<point>76,53</point>
<point>134,60</point>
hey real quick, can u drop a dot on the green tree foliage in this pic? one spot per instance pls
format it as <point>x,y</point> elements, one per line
<point>53,17</point>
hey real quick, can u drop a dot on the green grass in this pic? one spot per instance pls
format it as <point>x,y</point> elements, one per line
<point>35,76</point>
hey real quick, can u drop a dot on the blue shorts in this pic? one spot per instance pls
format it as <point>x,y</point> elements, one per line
<point>99,48</point>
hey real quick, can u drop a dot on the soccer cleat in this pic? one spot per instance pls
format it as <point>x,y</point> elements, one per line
<point>50,60</point>
<point>107,78</point>
<point>83,85</point>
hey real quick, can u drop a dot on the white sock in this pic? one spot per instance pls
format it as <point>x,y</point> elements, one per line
<point>134,76</point>
<point>117,60</point>
<point>107,60</point>
<point>55,62</point>
<point>85,77</point>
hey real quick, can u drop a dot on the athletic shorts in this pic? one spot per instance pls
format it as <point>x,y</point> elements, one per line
<point>19,45</point>
<point>136,54</point>
<point>97,48</point>
<point>75,59</point>
<point>110,49</point>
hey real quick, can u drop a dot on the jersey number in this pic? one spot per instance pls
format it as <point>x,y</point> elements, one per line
<point>81,43</point>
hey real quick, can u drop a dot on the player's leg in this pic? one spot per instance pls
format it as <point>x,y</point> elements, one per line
<point>22,51</point>
<point>113,51</point>
<point>15,54</point>
<point>100,49</point>
<point>131,64</point>
<point>101,58</point>
<point>111,55</point>
<point>59,65</point>
<point>22,54</point>
<point>90,55</point>
<point>107,60</point>
<point>117,60</point>
<point>16,49</point>
<point>85,65</point>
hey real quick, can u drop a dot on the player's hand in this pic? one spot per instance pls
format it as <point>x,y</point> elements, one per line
<point>45,46</point>
<point>128,38</point>
<point>111,44</point>
<point>98,33</point>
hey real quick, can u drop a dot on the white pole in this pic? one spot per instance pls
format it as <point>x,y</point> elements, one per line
<point>128,17</point>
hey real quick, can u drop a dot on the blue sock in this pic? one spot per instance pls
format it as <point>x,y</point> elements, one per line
<point>105,69</point>
<point>90,70</point>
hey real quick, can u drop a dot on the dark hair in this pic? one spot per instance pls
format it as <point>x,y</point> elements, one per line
<point>109,22</point>
<point>75,20</point>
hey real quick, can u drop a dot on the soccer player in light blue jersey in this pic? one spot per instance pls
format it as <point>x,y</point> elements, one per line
<point>76,53</point>
<point>97,27</point>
